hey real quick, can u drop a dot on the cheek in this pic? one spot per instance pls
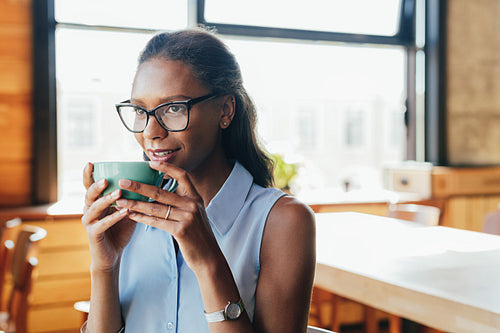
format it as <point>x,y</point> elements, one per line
<point>139,139</point>
<point>205,132</point>
<point>202,140</point>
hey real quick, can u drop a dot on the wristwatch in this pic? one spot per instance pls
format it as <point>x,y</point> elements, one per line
<point>232,311</point>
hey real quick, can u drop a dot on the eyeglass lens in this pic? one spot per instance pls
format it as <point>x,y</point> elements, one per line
<point>172,116</point>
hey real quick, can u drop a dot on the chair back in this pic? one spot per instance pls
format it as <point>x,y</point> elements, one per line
<point>7,235</point>
<point>7,225</point>
<point>24,260</point>
<point>426,215</point>
<point>312,329</point>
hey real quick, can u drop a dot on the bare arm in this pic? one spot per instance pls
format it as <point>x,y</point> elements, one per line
<point>288,258</point>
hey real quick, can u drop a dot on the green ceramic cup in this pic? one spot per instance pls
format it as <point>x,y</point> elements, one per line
<point>137,171</point>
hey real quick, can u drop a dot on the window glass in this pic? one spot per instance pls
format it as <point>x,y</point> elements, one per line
<point>335,111</point>
<point>353,16</point>
<point>89,83</point>
<point>354,128</point>
<point>145,14</point>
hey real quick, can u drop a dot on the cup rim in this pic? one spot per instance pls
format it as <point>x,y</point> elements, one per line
<point>113,162</point>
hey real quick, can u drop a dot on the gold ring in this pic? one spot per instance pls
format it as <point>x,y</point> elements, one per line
<point>168,212</point>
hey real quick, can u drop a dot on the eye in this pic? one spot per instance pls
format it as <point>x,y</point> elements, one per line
<point>139,112</point>
<point>176,108</point>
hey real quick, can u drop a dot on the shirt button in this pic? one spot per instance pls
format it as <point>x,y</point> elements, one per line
<point>170,326</point>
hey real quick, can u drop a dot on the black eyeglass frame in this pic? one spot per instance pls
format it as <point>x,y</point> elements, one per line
<point>188,103</point>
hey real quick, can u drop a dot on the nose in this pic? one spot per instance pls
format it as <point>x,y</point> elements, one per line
<point>153,130</point>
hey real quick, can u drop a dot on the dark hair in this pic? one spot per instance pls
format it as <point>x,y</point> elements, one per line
<point>216,67</point>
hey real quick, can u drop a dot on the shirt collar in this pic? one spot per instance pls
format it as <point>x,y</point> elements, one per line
<point>227,203</point>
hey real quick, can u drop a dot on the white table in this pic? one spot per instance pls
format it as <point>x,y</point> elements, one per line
<point>445,278</point>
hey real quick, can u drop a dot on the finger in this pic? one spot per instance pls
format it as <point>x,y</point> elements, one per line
<point>97,208</point>
<point>151,191</point>
<point>94,191</point>
<point>185,187</point>
<point>88,177</point>
<point>153,221</point>
<point>154,209</point>
<point>109,221</point>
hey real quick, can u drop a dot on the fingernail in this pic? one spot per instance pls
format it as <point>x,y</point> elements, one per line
<point>100,182</point>
<point>123,211</point>
<point>125,183</point>
<point>115,193</point>
<point>121,202</point>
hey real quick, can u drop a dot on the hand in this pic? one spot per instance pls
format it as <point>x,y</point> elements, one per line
<point>107,237</point>
<point>187,221</point>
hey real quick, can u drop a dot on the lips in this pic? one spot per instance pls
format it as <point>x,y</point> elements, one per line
<point>162,155</point>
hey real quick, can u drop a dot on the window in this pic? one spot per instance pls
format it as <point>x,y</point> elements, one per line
<point>94,71</point>
<point>353,16</point>
<point>79,114</point>
<point>313,89</point>
<point>354,128</point>
<point>330,81</point>
<point>144,14</point>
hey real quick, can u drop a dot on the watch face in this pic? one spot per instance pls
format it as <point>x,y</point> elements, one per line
<point>233,311</point>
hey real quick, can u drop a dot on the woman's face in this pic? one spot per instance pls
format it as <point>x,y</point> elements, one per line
<point>158,81</point>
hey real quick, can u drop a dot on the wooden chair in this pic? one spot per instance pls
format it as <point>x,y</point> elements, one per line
<point>331,311</point>
<point>324,301</point>
<point>24,260</point>
<point>7,234</point>
<point>426,215</point>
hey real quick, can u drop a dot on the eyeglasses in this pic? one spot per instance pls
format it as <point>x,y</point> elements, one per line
<point>172,116</point>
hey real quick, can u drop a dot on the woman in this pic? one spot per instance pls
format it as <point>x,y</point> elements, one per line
<point>225,252</point>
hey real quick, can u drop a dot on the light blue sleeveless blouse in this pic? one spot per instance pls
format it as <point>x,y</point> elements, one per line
<point>160,293</point>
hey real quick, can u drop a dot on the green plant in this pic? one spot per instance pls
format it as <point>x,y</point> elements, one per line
<point>283,172</point>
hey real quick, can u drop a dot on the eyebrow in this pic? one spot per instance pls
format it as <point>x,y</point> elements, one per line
<point>162,100</point>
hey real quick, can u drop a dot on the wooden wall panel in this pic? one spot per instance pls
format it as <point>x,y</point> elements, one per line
<point>15,183</point>
<point>15,39</point>
<point>60,291</point>
<point>473,82</point>
<point>65,262</point>
<point>468,211</point>
<point>16,76</point>
<point>14,12</point>
<point>62,233</point>
<point>59,319</point>
<point>15,103</point>
<point>15,128</point>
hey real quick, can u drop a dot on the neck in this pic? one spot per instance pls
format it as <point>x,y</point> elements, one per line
<point>209,178</point>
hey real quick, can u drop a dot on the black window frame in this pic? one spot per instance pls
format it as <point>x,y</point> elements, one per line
<point>44,151</point>
<point>44,77</point>
<point>404,37</point>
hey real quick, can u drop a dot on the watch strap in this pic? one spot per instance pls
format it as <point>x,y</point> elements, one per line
<point>218,316</point>
<point>215,317</point>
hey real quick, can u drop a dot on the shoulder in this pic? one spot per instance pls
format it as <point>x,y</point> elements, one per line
<point>288,212</point>
<point>289,223</point>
